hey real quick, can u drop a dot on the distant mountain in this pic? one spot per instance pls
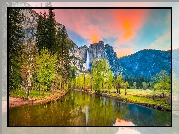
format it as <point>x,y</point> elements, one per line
<point>146,63</point>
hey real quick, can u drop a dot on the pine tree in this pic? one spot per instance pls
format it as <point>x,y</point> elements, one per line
<point>16,36</point>
<point>64,46</point>
<point>41,34</point>
<point>51,31</point>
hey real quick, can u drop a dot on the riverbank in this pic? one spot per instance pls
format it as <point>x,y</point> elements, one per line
<point>140,99</point>
<point>16,101</point>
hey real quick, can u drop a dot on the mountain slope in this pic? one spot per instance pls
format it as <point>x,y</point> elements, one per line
<point>147,63</point>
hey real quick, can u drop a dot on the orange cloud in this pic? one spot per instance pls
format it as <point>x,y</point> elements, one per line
<point>95,38</point>
<point>128,22</point>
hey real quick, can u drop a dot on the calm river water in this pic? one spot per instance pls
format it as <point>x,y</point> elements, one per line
<point>81,109</point>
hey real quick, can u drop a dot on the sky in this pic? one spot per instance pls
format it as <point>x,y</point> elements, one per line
<point>127,30</point>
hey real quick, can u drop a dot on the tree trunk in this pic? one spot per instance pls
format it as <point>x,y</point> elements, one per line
<point>28,88</point>
<point>39,89</point>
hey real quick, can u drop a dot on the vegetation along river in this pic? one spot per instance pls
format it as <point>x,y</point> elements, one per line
<point>81,109</point>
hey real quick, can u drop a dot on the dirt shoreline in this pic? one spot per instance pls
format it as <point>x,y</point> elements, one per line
<point>16,102</point>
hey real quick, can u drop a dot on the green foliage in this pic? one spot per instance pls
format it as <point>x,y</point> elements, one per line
<point>63,45</point>
<point>109,80</point>
<point>41,33</point>
<point>118,82</point>
<point>125,85</point>
<point>162,81</point>
<point>51,31</point>
<point>88,81</point>
<point>15,35</point>
<point>72,76</point>
<point>145,85</point>
<point>33,94</point>
<point>45,68</point>
<point>134,84</point>
<point>80,81</point>
<point>29,51</point>
<point>56,41</point>
<point>102,75</point>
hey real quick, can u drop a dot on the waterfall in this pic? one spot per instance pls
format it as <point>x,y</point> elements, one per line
<point>87,61</point>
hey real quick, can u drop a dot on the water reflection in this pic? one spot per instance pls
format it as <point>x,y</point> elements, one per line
<point>80,109</point>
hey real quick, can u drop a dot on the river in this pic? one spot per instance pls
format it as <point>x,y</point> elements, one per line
<point>81,109</point>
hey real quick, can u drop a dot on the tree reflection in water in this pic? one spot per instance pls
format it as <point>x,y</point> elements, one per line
<point>80,109</point>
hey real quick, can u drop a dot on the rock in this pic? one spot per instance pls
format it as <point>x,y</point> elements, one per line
<point>83,52</point>
<point>101,50</point>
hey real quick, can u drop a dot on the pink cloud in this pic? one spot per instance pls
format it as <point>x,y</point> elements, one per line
<point>96,24</point>
<point>89,23</point>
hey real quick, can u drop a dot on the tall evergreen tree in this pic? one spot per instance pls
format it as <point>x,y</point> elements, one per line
<point>16,36</point>
<point>63,45</point>
<point>51,31</point>
<point>41,34</point>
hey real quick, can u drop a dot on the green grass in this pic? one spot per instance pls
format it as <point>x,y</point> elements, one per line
<point>33,94</point>
<point>142,96</point>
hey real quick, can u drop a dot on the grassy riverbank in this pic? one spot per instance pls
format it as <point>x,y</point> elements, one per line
<point>137,96</point>
<point>141,97</point>
<point>19,97</point>
<point>145,97</point>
